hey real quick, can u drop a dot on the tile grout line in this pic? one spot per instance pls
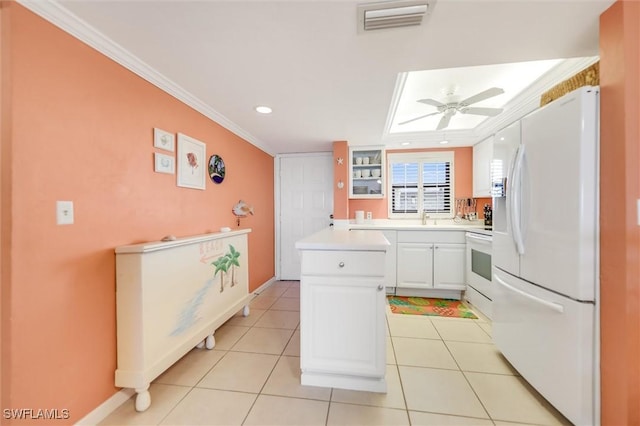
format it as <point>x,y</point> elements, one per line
<point>395,357</point>
<point>478,396</point>
<point>272,369</point>
<point>465,376</point>
<point>326,421</point>
<point>281,356</point>
<point>454,360</point>
<point>191,388</point>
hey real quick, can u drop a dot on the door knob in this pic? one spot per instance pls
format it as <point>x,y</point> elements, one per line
<point>341,264</point>
<point>380,287</point>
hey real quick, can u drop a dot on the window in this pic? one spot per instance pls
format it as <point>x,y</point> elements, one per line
<point>421,182</point>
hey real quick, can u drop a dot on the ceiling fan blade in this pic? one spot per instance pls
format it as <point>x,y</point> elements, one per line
<point>489,93</point>
<point>432,102</point>
<point>491,112</point>
<point>444,121</point>
<point>418,118</point>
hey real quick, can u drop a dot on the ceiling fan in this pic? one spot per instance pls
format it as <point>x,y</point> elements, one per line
<point>450,109</point>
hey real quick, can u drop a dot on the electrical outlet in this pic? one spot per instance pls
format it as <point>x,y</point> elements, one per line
<point>369,216</point>
<point>64,212</point>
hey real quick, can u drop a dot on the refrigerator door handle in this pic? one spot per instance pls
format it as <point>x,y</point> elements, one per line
<point>553,306</point>
<point>516,199</point>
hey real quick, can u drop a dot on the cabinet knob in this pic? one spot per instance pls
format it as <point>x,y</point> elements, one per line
<point>380,287</point>
<point>341,264</point>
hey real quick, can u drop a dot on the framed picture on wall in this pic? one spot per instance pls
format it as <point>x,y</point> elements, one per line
<point>163,140</point>
<point>192,162</point>
<point>164,163</point>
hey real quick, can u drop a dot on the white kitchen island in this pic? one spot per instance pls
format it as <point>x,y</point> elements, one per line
<point>342,309</point>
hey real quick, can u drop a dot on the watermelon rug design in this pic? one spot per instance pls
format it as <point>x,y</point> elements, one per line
<point>428,306</point>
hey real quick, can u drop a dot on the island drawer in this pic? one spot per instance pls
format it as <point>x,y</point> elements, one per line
<point>343,263</point>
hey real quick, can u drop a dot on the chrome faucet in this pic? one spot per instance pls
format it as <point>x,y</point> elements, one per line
<point>425,216</point>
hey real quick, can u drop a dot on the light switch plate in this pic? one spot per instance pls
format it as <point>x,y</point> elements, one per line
<point>64,212</point>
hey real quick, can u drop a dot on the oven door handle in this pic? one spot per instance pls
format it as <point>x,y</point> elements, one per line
<point>477,238</point>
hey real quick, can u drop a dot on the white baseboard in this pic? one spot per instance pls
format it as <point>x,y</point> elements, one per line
<point>107,407</point>
<point>264,286</point>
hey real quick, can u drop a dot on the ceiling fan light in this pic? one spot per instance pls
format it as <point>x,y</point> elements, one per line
<point>444,142</point>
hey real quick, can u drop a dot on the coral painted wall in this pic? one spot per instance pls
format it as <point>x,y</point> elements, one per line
<point>80,128</point>
<point>340,173</point>
<point>619,231</point>
<point>463,181</point>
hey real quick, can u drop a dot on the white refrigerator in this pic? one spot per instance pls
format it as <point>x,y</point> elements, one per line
<point>545,252</point>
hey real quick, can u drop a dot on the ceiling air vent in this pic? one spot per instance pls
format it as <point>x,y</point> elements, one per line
<point>392,14</point>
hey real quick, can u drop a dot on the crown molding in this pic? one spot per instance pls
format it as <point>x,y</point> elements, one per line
<point>529,99</point>
<point>395,100</point>
<point>59,16</point>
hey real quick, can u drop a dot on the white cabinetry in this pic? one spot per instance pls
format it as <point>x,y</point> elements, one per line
<point>342,316</point>
<point>366,172</point>
<point>390,260</point>
<point>343,329</point>
<point>170,297</point>
<point>415,265</point>
<point>482,155</point>
<point>449,266</point>
<point>431,260</point>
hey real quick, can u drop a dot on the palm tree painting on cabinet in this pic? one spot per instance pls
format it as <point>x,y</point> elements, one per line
<point>223,263</point>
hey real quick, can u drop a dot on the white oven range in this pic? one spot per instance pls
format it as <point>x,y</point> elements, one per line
<point>478,272</point>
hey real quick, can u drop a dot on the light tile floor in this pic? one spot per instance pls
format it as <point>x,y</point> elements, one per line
<point>440,371</point>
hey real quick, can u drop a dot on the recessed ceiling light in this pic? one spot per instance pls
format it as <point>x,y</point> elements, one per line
<point>264,109</point>
<point>405,143</point>
<point>444,142</point>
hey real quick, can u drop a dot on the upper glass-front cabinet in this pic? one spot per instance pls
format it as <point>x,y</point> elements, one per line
<point>366,172</point>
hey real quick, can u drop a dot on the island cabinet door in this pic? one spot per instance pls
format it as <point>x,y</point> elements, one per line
<point>342,325</point>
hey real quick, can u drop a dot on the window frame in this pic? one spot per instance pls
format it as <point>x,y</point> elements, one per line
<point>420,158</point>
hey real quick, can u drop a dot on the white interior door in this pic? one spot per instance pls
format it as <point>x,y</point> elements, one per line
<point>305,202</point>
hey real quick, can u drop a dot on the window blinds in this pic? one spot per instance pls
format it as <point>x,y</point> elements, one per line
<point>434,180</point>
<point>436,187</point>
<point>404,187</point>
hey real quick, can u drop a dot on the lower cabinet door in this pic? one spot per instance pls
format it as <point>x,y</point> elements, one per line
<point>342,322</point>
<point>449,262</point>
<point>415,265</point>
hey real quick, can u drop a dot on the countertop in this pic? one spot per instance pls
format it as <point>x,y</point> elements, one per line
<point>182,241</point>
<point>414,225</point>
<point>344,239</point>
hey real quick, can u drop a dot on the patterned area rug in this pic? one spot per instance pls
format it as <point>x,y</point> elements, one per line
<point>432,307</point>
